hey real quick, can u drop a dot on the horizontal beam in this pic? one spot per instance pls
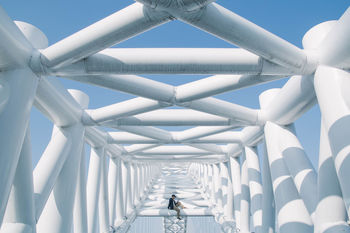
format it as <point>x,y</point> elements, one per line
<point>175,150</point>
<point>122,109</point>
<point>216,20</point>
<point>130,138</point>
<point>200,131</point>
<point>174,117</point>
<point>224,109</point>
<point>111,30</point>
<point>172,61</point>
<point>183,158</point>
<point>148,131</point>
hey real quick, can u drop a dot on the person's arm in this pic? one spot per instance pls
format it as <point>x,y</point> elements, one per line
<point>169,204</point>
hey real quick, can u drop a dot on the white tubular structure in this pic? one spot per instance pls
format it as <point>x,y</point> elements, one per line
<point>109,31</point>
<point>255,187</point>
<point>245,196</point>
<point>170,60</point>
<point>292,214</point>
<point>212,164</point>
<point>335,119</point>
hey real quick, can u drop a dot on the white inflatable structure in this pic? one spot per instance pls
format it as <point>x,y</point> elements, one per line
<point>214,167</point>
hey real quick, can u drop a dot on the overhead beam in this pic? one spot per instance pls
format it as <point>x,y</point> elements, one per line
<point>111,30</point>
<point>174,117</point>
<point>130,138</point>
<point>171,61</point>
<point>200,131</point>
<point>176,150</point>
<point>148,131</point>
<point>121,109</point>
<point>232,28</point>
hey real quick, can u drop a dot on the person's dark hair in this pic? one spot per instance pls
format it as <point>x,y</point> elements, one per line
<point>173,195</point>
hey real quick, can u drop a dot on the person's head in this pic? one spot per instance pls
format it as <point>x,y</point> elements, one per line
<point>173,196</point>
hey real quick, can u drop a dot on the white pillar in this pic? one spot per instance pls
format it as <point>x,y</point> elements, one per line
<point>125,186</point>
<point>136,184</point>
<point>132,184</point>
<point>227,192</point>
<point>218,188</point>
<point>20,207</point>
<point>206,180</point>
<point>142,179</point>
<point>236,185</point>
<point>330,212</point>
<point>333,98</point>
<point>80,204</point>
<point>120,198</point>
<point>50,165</point>
<point>93,187</point>
<point>57,216</point>
<point>112,188</point>
<point>103,203</point>
<point>299,166</point>
<point>292,215</point>
<point>268,205</point>
<point>58,212</point>
<point>17,92</point>
<point>245,196</point>
<point>212,185</point>
<point>129,182</point>
<point>255,187</point>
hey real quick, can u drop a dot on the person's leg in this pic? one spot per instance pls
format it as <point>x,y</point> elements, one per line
<point>181,205</point>
<point>177,211</point>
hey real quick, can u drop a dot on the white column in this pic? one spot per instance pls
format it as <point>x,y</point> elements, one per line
<point>206,180</point>
<point>80,204</point>
<point>330,212</point>
<point>333,98</point>
<point>93,187</point>
<point>125,186</point>
<point>201,174</point>
<point>120,206</point>
<point>268,205</point>
<point>58,211</point>
<point>112,188</point>
<point>103,203</point>
<point>236,185</point>
<point>20,207</point>
<point>129,178</point>
<point>132,184</point>
<point>142,179</point>
<point>218,188</point>
<point>292,215</point>
<point>227,191</point>
<point>136,192</point>
<point>299,166</point>
<point>245,196</point>
<point>57,216</point>
<point>212,185</point>
<point>255,187</point>
<point>50,165</point>
<point>17,92</point>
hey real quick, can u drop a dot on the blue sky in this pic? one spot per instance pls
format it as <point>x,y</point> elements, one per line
<point>287,19</point>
